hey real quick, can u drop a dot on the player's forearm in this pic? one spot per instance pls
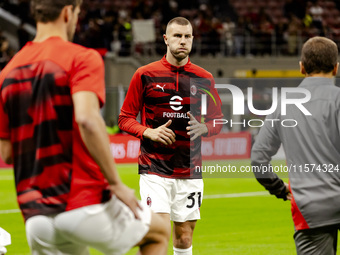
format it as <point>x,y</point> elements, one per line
<point>95,138</point>
<point>212,130</point>
<point>267,178</point>
<point>131,126</point>
<point>214,114</point>
<point>275,186</point>
<point>6,151</point>
<point>146,133</point>
<point>149,133</point>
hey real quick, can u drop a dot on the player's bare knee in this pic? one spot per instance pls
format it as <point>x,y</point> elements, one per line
<point>183,241</point>
<point>183,232</point>
<point>182,237</point>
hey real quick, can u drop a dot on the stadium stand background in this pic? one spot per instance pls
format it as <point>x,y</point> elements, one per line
<point>242,39</point>
<point>222,28</point>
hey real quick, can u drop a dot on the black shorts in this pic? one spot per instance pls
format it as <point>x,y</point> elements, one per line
<point>317,241</point>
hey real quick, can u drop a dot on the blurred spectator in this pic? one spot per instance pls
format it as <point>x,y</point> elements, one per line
<point>107,24</point>
<point>228,31</point>
<point>280,37</point>
<point>250,35</point>
<point>107,27</point>
<point>124,36</point>
<point>214,35</point>
<point>203,23</point>
<point>94,36</point>
<point>264,35</point>
<point>252,15</point>
<point>316,12</point>
<point>294,28</point>
<point>307,19</point>
<point>239,36</point>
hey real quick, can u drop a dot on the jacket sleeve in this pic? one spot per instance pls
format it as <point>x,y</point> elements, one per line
<point>266,145</point>
<point>214,110</point>
<point>4,123</point>
<point>133,104</point>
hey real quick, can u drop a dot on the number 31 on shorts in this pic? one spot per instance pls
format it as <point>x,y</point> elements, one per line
<point>192,199</point>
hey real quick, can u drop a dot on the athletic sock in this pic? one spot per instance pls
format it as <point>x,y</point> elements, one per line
<point>178,251</point>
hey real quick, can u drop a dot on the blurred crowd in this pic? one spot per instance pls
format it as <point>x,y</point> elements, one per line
<point>227,28</point>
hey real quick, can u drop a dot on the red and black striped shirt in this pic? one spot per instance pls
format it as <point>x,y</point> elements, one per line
<point>53,169</point>
<point>159,92</point>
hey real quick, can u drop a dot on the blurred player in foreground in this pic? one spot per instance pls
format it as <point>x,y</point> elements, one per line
<point>68,188</point>
<point>164,92</point>
<point>312,152</point>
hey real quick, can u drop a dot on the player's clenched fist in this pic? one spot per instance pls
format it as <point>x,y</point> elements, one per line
<point>162,134</point>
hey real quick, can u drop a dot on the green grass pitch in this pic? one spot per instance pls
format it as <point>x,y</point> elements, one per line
<point>254,225</point>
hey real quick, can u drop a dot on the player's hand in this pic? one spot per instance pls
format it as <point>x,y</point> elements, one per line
<point>162,134</point>
<point>127,196</point>
<point>285,193</point>
<point>195,128</point>
<point>288,194</point>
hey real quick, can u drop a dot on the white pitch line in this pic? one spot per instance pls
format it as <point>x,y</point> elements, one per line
<point>9,211</point>
<point>6,178</point>
<point>243,194</point>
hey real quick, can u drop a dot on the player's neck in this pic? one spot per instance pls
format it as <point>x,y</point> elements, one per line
<point>47,30</point>
<point>173,61</point>
<point>321,75</point>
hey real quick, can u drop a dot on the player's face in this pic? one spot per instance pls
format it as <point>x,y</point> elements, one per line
<point>71,27</point>
<point>179,40</point>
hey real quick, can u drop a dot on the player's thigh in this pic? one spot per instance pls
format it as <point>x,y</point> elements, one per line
<point>160,229</point>
<point>155,192</point>
<point>317,241</point>
<point>110,227</point>
<point>44,238</point>
<point>187,200</point>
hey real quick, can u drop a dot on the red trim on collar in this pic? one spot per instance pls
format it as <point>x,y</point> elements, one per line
<point>168,65</point>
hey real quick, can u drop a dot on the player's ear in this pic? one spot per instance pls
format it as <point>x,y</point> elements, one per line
<point>302,68</point>
<point>165,39</point>
<point>67,13</point>
<point>335,70</point>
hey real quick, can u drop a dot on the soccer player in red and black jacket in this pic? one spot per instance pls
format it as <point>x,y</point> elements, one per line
<point>167,94</point>
<point>52,131</point>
